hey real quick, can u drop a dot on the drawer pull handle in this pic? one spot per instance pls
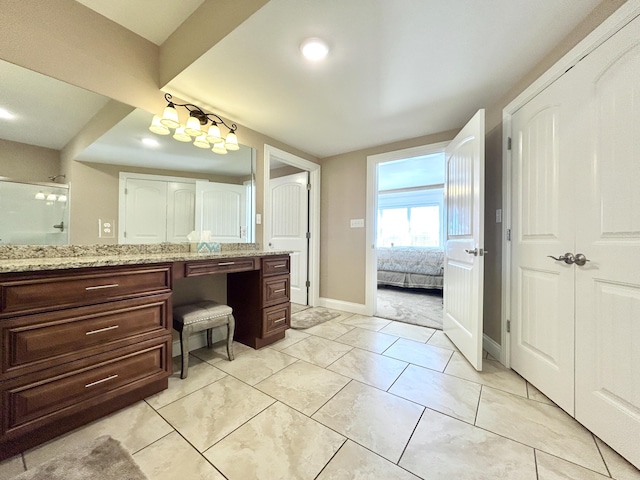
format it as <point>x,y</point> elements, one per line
<point>280,266</point>
<point>99,330</point>
<point>222,264</point>
<point>280,320</point>
<point>280,290</point>
<point>100,287</point>
<point>110,377</point>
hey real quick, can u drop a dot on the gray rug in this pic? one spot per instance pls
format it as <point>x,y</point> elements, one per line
<point>104,459</point>
<point>419,307</point>
<point>311,317</point>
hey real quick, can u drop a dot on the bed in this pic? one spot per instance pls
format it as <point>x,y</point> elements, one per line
<point>411,267</point>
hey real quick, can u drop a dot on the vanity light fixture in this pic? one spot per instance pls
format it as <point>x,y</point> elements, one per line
<point>40,196</point>
<point>201,128</point>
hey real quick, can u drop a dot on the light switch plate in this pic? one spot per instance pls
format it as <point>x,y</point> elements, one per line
<point>499,215</point>
<point>258,219</point>
<point>357,223</point>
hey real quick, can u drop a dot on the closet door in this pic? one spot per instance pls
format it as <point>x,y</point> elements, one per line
<point>181,210</point>
<point>608,285</point>
<point>542,309</point>
<point>145,211</point>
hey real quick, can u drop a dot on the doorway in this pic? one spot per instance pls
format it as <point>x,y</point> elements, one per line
<point>405,235</point>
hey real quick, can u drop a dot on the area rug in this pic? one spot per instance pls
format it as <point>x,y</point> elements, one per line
<point>311,317</point>
<point>104,459</point>
<point>419,307</point>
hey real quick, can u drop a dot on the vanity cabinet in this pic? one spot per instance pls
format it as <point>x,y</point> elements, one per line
<point>78,344</point>
<point>261,301</point>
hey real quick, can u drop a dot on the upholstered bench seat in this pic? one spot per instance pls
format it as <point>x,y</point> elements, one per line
<point>204,315</point>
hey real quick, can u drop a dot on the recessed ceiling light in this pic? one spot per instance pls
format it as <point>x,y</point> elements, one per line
<point>150,142</point>
<point>314,49</point>
<point>6,114</point>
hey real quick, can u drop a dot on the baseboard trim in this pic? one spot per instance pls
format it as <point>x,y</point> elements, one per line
<point>491,346</point>
<point>357,308</point>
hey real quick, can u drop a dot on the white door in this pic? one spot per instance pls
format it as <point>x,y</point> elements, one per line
<point>464,240</point>
<point>181,208</point>
<point>221,210</point>
<point>145,211</point>
<point>288,227</point>
<point>542,313</point>
<point>608,286</point>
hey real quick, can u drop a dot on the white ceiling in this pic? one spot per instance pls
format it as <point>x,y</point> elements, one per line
<point>395,70</point>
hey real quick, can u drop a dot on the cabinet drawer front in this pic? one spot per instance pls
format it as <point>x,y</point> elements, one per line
<point>222,265</point>
<point>81,288</point>
<point>62,336</point>
<point>38,401</point>
<point>275,319</point>
<point>275,265</point>
<point>275,290</point>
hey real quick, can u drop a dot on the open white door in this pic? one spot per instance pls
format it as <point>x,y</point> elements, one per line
<point>221,210</point>
<point>464,240</point>
<point>145,219</point>
<point>288,227</point>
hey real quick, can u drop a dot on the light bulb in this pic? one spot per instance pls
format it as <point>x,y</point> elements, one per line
<point>213,135</point>
<point>231,142</point>
<point>193,127</point>
<point>170,117</point>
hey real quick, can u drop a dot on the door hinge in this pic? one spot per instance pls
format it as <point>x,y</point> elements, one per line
<point>509,143</point>
<point>508,234</point>
<point>126,191</point>
<point>307,284</point>
<point>308,235</point>
<point>125,234</point>
<point>308,186</point>
<point>508,326</point>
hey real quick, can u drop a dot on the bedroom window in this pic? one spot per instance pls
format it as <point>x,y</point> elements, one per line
<point>409,226</point>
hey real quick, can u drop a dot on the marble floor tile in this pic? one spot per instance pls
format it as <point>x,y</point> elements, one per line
<point>219,352</point>
<point>443,448</point>
<point>422,354</point>
<point>406,330</point>
<point>366,367</point>
<point>329,330</point>
<point>303,386</point>
<point>449,395</point>
<point>619,468</point>
<point>538,425</point>
<point>253,367</point>
<point>375,419</point>
<point>316,350</point>
<point>135,427</point>
<point>209,414</point>
<point>493,374</point>
<point>367,340</point>
<point>200,375</point>
<point>554,468</point>
<point>171,458</point>
<point>368,323</point>
<point>353,462</point>
<point>278,443</point>
<point>291,336</point>
<point>439,339</point>
<point>11,467</point>
<point>534,394</point>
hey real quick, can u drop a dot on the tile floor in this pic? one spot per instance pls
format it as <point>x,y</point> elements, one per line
<point>354,398</point>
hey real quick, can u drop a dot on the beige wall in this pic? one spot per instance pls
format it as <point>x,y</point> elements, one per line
<point>28,162</point>
<point>343,197</point>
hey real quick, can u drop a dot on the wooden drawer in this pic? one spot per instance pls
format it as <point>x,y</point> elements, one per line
<point>39,401</point>
<point>41,341</point>
<point>276,319</point>
<point>222,265</point>
<point>275,265</point>
<point>81,287</point>
<point>275,290</point>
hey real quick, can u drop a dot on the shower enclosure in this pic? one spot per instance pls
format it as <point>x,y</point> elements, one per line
<point>33,213</point>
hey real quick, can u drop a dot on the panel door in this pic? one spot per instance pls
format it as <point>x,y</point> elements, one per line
<point>464,241</point>
<point>288,227</point>
<point>145,211</point>
<point>608,286</point>
<point>542,313</point>
<point>181,209</point>
<point>221,211</point>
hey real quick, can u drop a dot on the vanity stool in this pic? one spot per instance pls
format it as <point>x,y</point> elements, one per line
<point>204,315</point>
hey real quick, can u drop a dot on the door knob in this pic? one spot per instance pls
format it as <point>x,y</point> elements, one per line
<point>473,252</point>
<point>567,258</point>
<point>581,260</point>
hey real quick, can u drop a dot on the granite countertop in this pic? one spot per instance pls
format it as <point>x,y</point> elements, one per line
<point>31,259</point>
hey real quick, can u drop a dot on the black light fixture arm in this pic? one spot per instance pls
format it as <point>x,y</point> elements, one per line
<point>201,115</point>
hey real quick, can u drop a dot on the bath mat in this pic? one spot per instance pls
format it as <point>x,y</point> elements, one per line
<point>311,317</point>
